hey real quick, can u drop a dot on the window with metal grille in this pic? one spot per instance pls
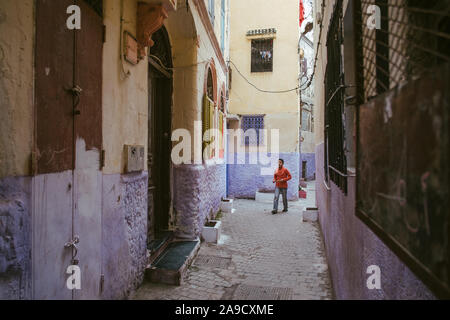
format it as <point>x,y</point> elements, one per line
<point>402,72</point>
<point>255,122</point>
<point>262,55</point>
<point>335,159</point>
<point>412,40</point>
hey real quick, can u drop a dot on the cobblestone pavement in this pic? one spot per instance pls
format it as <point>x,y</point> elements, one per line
<point>259,256</point>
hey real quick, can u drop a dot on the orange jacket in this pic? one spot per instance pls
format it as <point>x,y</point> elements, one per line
<point>281,177</point>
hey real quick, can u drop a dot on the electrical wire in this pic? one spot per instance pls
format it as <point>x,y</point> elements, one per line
<point>305,85</point>
<point>261,90</point>
<point>309,82</point>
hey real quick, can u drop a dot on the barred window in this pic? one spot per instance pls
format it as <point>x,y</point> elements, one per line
<point>251,124</point>
<point>262,55</point>
<point>411,40</point>
<point>402,70</point>
<point>335,158</point>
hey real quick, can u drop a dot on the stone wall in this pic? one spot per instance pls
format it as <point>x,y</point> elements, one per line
<point>244,180</point>
<point>124,233</point>
<point>351,247</point>
<point>198,193</point>
<point>15,238</point>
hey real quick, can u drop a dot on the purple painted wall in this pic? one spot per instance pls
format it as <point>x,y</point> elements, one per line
<point>351,247</point>
<point>15,238</point>
<point>124,233</point>
<point>310,159</point>
<point>198,191</point>
<point>244,180</point>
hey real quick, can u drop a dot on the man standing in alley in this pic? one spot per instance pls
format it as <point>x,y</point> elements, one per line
<point>281,177</point>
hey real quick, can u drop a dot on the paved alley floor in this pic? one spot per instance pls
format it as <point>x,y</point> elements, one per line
<point>260,256</point>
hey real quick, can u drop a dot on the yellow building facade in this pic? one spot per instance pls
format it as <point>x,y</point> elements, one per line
<point>264,66</point>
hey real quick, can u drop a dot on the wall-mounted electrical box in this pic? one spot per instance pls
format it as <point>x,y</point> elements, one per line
<point>135,158</point>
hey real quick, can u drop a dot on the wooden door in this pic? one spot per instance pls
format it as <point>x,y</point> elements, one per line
<point>159,134</point>
<point>159,153</point>
<point>53,185</point>
<point>88,147</point>
<point>67,185</point>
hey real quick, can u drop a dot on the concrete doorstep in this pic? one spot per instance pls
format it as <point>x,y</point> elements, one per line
<point>173,263</point>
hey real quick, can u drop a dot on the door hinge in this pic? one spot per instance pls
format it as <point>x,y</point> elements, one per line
<point>102,283</point>
<point>102,159</point>
<point>104,33</point>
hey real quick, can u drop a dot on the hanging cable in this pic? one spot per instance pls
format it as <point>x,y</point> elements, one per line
<point>309,82</point>
<point>261,90</point>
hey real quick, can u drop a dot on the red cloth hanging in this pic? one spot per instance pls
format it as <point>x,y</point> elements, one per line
<point>302,13</point>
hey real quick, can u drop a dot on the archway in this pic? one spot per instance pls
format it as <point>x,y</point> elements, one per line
<point>160,89</point>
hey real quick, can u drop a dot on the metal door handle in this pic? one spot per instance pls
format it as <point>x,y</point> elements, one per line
<point>76,92</point>
<point>73,244</point>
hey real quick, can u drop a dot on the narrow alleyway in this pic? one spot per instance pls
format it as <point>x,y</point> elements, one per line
<point>259,256</point>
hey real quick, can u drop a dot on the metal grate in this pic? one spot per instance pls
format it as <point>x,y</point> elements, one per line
<point>262,55</point>
<point>213,261</point>
<point>412,37</point>
<point>251,124</point>
<point>246,292</point>
<point>335,159</point>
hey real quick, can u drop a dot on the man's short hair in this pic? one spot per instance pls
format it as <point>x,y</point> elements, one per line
<point>282,161</point>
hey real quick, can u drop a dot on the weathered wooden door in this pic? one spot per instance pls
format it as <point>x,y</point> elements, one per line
<point>67,183</point>
<point>159,134</point>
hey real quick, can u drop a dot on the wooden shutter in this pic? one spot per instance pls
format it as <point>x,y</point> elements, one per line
<point>221,146</point>
<point>212,113</point>
<point>207,119</point>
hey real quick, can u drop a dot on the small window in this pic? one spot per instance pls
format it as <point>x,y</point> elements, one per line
<point>262,55</point>
<point>210,86</point>
<point>251,126</point>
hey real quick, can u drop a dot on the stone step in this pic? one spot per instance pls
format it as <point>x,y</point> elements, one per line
<point>156,247</point>
<point>171,266</point>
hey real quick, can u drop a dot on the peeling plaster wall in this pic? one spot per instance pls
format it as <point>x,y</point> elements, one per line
<point>16,86</point>
<point>183,39</point>
<point>15,238</point>
<point>124,233</point>
<point>16,136</point>
<point>125,99</point>
<point>197,197</point>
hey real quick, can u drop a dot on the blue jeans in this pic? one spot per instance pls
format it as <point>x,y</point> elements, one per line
<point>283,192</point>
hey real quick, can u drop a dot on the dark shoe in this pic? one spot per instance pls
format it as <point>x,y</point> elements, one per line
<point>285,210</point>
<point>274,211</point>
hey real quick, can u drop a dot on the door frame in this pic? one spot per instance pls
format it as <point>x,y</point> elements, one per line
<point>160,70</point>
